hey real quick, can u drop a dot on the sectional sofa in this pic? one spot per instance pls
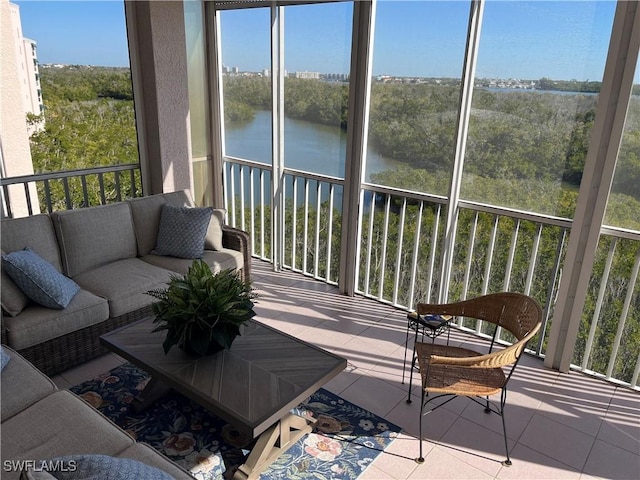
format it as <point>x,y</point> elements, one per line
<point>40,422</point>
<point>107,251</point>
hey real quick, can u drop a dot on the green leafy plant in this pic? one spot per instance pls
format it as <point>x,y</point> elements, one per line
<point>202,312</point>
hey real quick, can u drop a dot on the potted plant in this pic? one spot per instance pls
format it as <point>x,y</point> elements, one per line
<point>202,312</point>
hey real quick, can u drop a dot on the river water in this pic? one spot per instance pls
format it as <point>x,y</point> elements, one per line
<point>308,146</point>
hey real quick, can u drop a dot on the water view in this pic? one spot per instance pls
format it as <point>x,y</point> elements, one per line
<point>308,146</point>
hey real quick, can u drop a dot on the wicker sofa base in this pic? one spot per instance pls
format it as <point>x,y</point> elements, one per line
<point>67,351</point>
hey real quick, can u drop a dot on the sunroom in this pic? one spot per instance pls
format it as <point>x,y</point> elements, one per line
<point>432,174</point>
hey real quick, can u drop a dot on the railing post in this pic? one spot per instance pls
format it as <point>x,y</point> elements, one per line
<point>597,177</point>
<point>357,127</point>
<point>466,94</point>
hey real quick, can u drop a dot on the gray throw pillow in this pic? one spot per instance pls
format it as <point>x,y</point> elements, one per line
<point>38,279</point>
<point>100,467</point>
<point>182,231</point>
<point>213,239</point>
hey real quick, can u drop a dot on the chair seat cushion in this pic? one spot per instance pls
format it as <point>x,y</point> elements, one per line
<point>217,261</point>
<point>59,424</point>
<point>124,284</point>
<point>456,380</point>
<point>22,385</point>
<point>37,324</point>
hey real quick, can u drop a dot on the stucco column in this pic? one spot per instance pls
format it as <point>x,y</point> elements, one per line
<point>157,50</point>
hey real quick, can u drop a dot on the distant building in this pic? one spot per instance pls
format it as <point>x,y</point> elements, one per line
<point>33,91</point>
<point>20,90</point>
<point>28,70</point>
<point>308,75</point>
<point>235,70</point>
<point>335,77</point>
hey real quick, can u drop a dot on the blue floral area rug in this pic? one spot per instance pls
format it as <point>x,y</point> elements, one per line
<point>344,442</point>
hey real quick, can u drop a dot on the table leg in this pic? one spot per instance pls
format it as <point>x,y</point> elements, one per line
<point>272,443</point>
<point>154,390</point>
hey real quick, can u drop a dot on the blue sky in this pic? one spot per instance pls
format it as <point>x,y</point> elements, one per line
<point>561,40</point>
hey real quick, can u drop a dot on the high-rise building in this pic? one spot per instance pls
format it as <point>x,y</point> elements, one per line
<point>20,87</point>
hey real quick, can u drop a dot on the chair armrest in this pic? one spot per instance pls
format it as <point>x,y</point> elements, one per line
<point>236,239</point>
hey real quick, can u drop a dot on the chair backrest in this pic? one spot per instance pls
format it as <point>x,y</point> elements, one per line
<point>515,312</point>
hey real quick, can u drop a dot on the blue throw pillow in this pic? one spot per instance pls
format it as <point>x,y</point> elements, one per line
<point>182,231</point>
<point>38,279</point>
<point>5,358</point>
<point>101,467</point>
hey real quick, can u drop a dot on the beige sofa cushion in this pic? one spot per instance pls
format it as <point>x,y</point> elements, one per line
<point>12,298</point>
<point>36,232</point>
<point>124,284</point>
<point>91,237</point>
<point>221,260</point>
<point>59,424</point>
<point>22,385</point>
<point>145,454</point>
<point>37,324</point>
<point>213,238</point>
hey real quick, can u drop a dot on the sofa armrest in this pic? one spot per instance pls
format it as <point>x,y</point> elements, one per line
<point>236,239</point>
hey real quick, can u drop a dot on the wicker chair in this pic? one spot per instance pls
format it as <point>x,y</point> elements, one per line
<point>449,371</point>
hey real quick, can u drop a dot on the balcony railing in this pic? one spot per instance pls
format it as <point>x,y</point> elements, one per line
<point>30,194</point>
<point>400,237</point>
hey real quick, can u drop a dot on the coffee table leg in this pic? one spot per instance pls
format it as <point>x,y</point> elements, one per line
<point>154,390</point>
<point>273,443</point>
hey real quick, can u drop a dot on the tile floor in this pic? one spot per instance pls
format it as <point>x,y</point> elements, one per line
<point>559,425</point>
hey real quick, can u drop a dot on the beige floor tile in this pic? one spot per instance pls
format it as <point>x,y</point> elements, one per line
<point>440,464</point>
<point>60,382</point>
<point>528,463</point>
<point>342,381</point>
<point>398,460</point>
<point>585,476</point>
<point>621,425</point>
<point>325,338</point>
<point>556,440</point>
<point>608,461</point>
<point>475,445</point>
<point>374,473</point>
<point>294,319</point>
<point>517,415</point>
<point>578,402</point>
<point>374,395</point>
<point>90,370</point>
<point>434,425</point>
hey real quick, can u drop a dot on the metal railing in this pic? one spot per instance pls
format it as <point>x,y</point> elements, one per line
<point>496,249</point>
<point>69,189</point>
<point>311,222</point>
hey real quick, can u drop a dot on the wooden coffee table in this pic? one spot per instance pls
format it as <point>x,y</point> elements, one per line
<point>253,385</point>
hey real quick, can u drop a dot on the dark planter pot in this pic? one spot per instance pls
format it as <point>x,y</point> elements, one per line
<point>213,348</point>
